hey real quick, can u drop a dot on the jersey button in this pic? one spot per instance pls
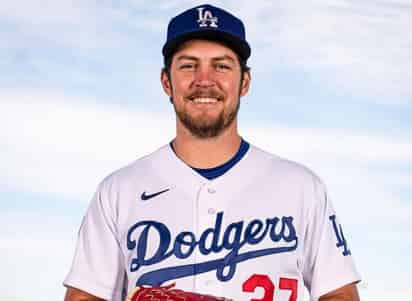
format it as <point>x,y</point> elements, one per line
<point>211,190</point>
<point>211,211</point>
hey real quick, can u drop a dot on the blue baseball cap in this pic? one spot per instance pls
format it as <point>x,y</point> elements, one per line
<point>210,23</point>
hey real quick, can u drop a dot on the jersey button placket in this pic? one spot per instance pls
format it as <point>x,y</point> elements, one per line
<point>211,210</point>
<point>200,225</point>
<point>211,190</point>
<point>207,209</point>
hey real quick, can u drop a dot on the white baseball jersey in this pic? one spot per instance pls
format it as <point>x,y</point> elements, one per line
<point>263,230</point>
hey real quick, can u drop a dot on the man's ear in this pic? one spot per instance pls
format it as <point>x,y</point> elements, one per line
<point>245,84</point>
<point>166,84</point>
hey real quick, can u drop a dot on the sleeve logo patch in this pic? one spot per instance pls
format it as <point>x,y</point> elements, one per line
<point>341,240</point>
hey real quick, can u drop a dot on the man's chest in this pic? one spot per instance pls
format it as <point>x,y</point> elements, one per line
<point>211,241</point>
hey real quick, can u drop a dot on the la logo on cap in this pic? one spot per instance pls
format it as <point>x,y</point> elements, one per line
<point>206,18</point>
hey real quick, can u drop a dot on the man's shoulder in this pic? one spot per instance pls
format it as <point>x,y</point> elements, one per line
<point>279,166</point>
<point>141,167</point>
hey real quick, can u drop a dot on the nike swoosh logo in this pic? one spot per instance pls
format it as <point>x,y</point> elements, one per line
<point>146,197</point>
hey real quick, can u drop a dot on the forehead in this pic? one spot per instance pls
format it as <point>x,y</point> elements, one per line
<point>204,49</point>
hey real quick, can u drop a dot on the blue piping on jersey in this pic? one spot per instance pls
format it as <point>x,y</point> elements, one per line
<point>215,172</point>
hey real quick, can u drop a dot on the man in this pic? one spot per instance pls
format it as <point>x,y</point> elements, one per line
<point>209,212</point>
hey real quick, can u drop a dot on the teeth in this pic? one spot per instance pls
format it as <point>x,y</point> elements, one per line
<point>205,100</point>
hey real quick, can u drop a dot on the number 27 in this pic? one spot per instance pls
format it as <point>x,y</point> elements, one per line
<point>264,281</point>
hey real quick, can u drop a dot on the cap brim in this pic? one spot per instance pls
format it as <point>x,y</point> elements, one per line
<point>242,48</point>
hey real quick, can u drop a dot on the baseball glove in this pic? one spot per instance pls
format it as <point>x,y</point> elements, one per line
<point>168,293</point>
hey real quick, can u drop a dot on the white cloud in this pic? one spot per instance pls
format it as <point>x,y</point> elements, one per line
<point>359,47</point>
<point>333,142</point>
<point>35,255</point>
<point>362,47</point>
<point>62,146</point>
<point>46,12</point>
<point>380,291</point>
<point>78,26</point>
<point>65,145</point>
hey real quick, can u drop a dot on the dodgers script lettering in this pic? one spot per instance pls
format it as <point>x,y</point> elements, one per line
<point>227,242</point>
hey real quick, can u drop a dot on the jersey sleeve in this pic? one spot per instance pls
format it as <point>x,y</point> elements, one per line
<point>97,263</point>
<point>328,259</point>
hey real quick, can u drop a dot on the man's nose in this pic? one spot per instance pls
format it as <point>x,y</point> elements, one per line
<point>204,77</point>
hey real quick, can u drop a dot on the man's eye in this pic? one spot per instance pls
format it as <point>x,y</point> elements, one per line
<point>222,67</point>
<point>187,66</point>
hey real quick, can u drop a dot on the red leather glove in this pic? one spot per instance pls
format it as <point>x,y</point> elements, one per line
<point>166,293</point>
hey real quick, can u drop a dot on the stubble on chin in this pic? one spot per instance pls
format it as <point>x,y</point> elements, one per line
<point>206,128</point>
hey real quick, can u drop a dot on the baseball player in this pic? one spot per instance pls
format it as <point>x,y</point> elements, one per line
<point>210,213</point>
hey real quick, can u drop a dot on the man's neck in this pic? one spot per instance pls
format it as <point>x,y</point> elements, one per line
<point>207,152</point>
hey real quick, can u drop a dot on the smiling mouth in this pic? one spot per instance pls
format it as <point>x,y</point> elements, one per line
<point>204,99</point>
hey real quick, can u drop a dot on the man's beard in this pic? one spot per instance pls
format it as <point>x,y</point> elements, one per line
<point>208,128</point>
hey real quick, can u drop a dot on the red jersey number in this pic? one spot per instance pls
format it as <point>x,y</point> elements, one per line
<point>266,283</point>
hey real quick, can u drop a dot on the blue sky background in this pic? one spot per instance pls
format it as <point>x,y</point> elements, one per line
<point>80,96</point>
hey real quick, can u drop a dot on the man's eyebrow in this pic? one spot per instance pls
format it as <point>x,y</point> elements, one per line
<point>187,57</point>
<point>194,58</point>
<point>224,57</point>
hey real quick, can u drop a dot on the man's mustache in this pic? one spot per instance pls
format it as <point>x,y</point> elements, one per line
<point>206,93</point>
